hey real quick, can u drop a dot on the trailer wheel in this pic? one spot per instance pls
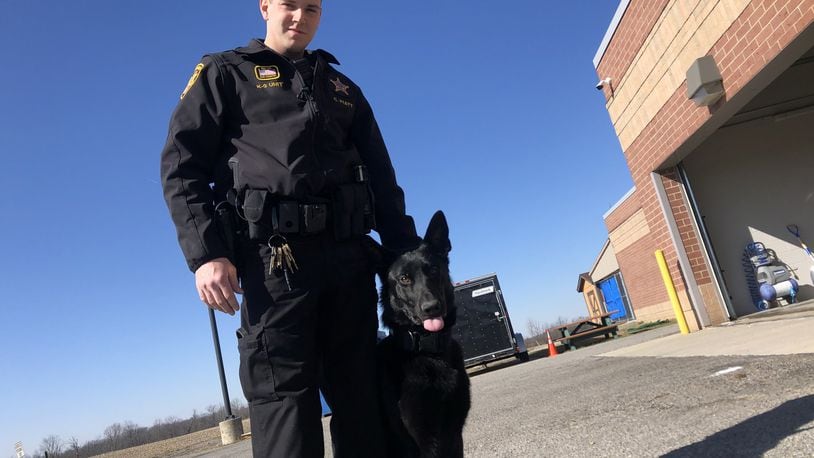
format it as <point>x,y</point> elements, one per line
<point>523,357</point>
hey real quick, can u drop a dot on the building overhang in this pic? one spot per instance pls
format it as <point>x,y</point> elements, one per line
<point>583,278</point>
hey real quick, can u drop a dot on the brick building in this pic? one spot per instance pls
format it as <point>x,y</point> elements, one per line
<point>710,179</point>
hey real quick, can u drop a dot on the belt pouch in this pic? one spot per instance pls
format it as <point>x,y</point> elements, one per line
<point>285,217</point>
<point>342,211</point>
<point>314,218</point>
<point>255,204</point>
<point>357,222</point>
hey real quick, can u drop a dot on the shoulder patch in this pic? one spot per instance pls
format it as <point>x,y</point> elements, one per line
<point>192,79</point>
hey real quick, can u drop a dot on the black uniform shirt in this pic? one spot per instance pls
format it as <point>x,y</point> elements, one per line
<point>251,104</point>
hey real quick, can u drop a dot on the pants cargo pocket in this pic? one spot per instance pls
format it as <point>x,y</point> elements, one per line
<point>256,373</point>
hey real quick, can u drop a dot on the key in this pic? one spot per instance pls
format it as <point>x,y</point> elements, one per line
<point>282,257</point>
<point>273,258</point>
<point>288,257</point>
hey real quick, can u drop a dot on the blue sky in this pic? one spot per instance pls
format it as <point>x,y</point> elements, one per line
<point>489,111</point>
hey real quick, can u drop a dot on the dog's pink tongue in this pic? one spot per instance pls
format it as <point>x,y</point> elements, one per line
<point>434,324</point>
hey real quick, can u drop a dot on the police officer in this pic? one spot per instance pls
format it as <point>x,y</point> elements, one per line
<point>273,171</point>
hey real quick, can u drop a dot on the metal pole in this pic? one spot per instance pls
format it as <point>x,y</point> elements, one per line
<point>671,292</point>
<point>226,404</point>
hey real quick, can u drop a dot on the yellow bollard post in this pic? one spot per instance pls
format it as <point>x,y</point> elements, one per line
<point>671,291</point>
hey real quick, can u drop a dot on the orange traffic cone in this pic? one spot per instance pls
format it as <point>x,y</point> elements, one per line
<point>552,349</point>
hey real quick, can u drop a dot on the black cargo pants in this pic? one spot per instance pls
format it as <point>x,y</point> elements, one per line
<point>319,334</point>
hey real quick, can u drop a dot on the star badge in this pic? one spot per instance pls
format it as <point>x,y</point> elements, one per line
<point>339,86</point>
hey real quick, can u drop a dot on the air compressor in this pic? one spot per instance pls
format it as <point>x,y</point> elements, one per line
<point>766,277</point>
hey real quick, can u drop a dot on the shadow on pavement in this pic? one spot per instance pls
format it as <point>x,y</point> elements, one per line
<point>755,436</point>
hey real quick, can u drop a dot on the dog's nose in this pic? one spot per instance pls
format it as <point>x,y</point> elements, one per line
<point>431,308</point>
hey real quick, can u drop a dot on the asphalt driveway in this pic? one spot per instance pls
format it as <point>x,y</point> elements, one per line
<point>741,390</point>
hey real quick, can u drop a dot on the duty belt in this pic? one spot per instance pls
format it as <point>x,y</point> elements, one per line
<point>296,218</point>
<point>267,216</point>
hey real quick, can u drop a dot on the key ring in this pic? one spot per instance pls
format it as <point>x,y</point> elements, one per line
<point>283,241</point>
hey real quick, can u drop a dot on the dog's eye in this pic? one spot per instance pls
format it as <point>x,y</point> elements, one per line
<point>405,280</point>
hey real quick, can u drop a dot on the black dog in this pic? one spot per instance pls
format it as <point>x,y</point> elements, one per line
<point>425,388</point>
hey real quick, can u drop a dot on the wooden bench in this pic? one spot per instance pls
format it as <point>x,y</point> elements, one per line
<point>588,327</point>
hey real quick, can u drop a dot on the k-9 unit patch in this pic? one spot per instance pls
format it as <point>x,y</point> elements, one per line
<point>267,72</point>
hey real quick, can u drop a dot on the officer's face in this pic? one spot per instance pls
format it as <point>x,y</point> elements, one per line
<point>290,24</point>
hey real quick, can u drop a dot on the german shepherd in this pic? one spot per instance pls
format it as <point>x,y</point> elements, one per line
<point>424,385</point>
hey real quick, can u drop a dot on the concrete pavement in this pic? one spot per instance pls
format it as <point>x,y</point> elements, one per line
<point>783,331</point>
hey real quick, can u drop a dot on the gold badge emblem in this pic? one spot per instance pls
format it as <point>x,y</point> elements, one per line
<point>267,72</point>
<point>339,86</point>
<point>192,79</point>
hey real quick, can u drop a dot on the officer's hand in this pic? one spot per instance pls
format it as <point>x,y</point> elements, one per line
<point>216,282</point>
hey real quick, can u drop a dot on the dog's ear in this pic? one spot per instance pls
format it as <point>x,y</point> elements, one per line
<point>437,235</point>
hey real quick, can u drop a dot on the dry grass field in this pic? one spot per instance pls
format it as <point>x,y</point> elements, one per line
<point>190,444</point>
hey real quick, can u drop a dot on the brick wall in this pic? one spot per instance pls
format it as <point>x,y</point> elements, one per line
<point>686,226</point>
<point>641,273</point>
<point>685,31</point>
<point>630,34</point>
<point>763,29</point>
<point>759,33</point>
<point>629,232</point>
<point>624,211</point>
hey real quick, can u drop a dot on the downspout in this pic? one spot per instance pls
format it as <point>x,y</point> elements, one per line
<point>696,301</point>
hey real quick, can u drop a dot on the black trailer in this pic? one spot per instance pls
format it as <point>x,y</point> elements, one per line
<point>483,327</point>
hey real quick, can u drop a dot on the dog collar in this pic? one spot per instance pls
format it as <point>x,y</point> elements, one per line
<point>422,341</point>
